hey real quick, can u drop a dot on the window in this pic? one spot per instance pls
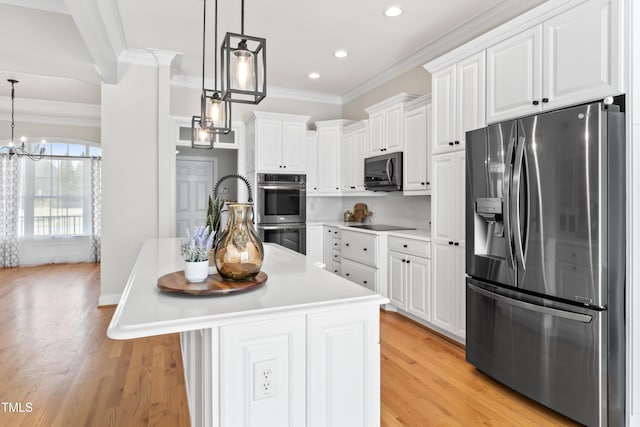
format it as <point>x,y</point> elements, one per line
<point>55,193</point>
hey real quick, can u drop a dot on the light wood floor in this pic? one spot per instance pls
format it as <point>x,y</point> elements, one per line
<point>54,354</point>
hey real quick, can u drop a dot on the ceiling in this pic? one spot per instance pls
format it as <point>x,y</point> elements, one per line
<point>302,36</point>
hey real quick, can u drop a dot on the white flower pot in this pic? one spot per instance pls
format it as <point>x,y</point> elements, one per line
<point>196,272</point>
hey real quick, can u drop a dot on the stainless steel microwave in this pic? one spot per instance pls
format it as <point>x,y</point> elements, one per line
<point>383,173</point>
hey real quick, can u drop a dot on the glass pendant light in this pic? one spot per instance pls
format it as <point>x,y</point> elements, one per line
<point>244,58</point>
<point>215,116</point>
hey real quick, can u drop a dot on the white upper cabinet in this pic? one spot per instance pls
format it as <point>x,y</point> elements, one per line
<point>329,155</point>
<point>514,70</point>
<point>354,149</point>
<point>417,151</point>
<point>583,53</point>
<point>386,125</point>
<point>571,58</point>
<point>280,142</point>
<point>458,102</point>
<point>312,162</point>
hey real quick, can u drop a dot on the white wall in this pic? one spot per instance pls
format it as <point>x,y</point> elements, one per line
<point>129,174</point>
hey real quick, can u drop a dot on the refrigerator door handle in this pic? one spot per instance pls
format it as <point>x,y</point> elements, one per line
<point>508,184</point>
<point>579,317</point>
<point>515,202</point>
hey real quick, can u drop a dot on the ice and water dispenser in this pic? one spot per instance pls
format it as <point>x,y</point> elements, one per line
<point>489,227</point>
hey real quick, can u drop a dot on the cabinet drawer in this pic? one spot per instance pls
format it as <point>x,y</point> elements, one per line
<point>360,247</point>
<point>335,255</point>
<point>335,243</point>
<point>334,232</point>
<point>335,267</point>
<point>410,246</point>
<point>361,274</point>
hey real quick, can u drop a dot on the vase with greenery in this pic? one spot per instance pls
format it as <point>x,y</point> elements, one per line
<point>195,250</point>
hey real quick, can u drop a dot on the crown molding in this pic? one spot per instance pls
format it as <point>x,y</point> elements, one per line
<point>101,29</point>
<point>57,6</point>
<point>168,58</point>
<point>303,95</point>
<point>192,82</point>
<point>454,38</point>
<point>514,26</point>
<point>340,123</point>
<point>142,57</point>
<point>356,126</point>
<point>51,112</point>
<point>402,97</point>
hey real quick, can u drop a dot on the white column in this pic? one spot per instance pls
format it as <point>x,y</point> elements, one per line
<point>167,62</point>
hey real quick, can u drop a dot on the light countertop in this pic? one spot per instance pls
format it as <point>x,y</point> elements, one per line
<point>418,234</point>
<point>294,284</point>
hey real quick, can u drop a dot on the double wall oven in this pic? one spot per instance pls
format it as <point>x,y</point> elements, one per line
<point>282,210</point>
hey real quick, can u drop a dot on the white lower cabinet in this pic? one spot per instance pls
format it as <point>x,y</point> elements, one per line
<point>343,374</point>
<point>247,353</point>
<point>332,247</point>
<point>359,273</point>
<point>315,243</point>
<point>360,259</point>
<point>410,276</point>
<point>448,305</point>
<point>319,369</point>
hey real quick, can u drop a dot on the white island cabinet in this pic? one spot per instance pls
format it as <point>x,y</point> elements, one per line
<point>302,349</point>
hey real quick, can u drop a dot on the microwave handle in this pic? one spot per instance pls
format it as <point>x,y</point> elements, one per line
<point>389,169</point>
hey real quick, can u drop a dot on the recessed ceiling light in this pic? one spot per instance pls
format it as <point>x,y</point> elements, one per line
<point>341,53</point>
<point>314,76</point>
<point>393,11</point>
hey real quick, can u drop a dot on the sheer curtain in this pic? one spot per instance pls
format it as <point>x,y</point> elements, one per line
<point>96,206</point>
<point>9,185</point>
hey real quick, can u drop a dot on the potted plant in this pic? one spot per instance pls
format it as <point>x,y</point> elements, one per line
<point>195,251</point>
<point>214,214</point>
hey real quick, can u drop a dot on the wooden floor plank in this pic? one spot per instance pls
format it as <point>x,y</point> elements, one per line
<point>55,354</point>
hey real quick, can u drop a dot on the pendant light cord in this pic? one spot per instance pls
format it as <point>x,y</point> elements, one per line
<point>204,33</point>
<point>242,18</point>
<point>13,95</point>
<point>215,47</point>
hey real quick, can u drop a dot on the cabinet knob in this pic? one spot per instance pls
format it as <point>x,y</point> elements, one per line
<point>335,271</point>
<point>404,260</point>
<point>365,282</point>
<point>455,142</point>
<point>346,244</point>
<point>364,249</point>
<point>335,244</point>
<point>347,274</point>
<point>408,262</point>
<point>335,256</point>
<point>422,183</point>
<point>280,166</point>
<point>456,244</point>
<point>536,102</point>
<point>451,243</point>
<point>545,100</point>
<point>353,188</point>
<point>285,166</point>
<point>404,246</point>
<point>450,143</point>
<point>335,232</point>
<point>428,183</point>
<point>315,188</point>
<point>337,188</point>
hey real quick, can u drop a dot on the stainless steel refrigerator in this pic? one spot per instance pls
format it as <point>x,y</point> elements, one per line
<point>545,260</point>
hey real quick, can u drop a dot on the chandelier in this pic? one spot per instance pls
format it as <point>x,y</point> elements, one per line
<point>215,112</point>
<point>18,150</point>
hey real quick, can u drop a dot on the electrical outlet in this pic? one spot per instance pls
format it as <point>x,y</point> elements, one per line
<point>264,379</point>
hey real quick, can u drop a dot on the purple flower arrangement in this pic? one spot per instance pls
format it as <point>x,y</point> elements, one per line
<point>196,247</point>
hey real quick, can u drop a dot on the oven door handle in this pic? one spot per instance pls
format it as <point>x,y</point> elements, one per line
<point>281,187</point>
<point>281,227</point>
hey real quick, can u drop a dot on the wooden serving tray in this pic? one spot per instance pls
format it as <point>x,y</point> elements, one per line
<point>213,285</point>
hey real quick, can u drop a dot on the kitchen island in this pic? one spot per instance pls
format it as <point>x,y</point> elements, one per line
<point>302,349</point>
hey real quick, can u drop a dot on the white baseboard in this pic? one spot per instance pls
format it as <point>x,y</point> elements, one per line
<point>108,299</point>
